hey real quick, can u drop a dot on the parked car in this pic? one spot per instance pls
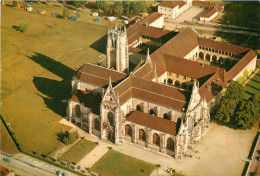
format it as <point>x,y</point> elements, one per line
<point>111,18</point>
<point>9,160</point>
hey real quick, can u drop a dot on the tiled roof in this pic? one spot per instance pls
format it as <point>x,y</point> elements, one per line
<point>222,46</point>
<point>210,12</point>
<point>241,64</point>
<point>189,68</point>
<point>134,50</point>
<point>211,87</point>
<point>4,171</point>
<point>172,4</point>
<point>179,46</point>
<point>150,121</point>
<point>145,72</point>
<point>151,18</point>
<point>152,92</point>
<point>97,75</point>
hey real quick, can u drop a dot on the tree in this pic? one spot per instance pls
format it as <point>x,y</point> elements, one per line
<point>14,3</point>
<point>78,3</point>
<point>65,13</point>
<point>106,9</point>
<point>235,91</point>
<point>256,101</point>
<point>245,117</point>
<point>225,110</point>
<point>100,4</point>
<point>118,9</point>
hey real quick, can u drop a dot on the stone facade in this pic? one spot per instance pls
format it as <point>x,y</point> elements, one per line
<point>117,49</point>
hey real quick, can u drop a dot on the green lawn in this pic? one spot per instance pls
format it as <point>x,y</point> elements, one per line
<point>7,144</point>
<point>36,70</point>
<point>78,151</point>
<point>117,164</point>
<point>253,86</point>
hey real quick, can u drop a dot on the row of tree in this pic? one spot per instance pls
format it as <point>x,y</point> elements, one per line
<point>129,8</point>
<point>237,111</point>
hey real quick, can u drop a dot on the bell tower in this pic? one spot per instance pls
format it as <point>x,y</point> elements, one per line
<point>117,49</point>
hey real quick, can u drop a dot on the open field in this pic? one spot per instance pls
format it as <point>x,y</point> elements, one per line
<point>253,86</point>
<point>78,151</point>
<point>7,144</point>
<point>116,164</point>
<point>36,69</point>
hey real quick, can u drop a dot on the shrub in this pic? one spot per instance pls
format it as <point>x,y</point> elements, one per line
<point>23,27</point>
<point>65,13</point>
<point>77,15</point>
<point>78,167</point>
<point>73,163</point>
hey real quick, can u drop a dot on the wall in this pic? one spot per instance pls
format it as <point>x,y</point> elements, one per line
<point>159,23</point>
<point>192,54</point>
<point>209,18</point>
<point>250,68</point>
<point>168,12</point>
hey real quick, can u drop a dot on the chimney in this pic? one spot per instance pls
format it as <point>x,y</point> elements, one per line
<point>208,87</point>
<point>146,24</point>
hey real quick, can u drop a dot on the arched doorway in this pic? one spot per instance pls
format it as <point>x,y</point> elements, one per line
<point>110,117</point>
<point>170,81</point>
<point>128,130</point>
<point>76,111</point>
<point>152,112</point>
<point>166,116</point>
<point>201,55</point>
<point>214,59</point>
<point>220,60</point>
<point>156,139</point>
<point>170,144</point>
<point>208,57</point>
<point>142,135</point>
<point>96,124</point>
<point>138,108</point>
<point>177,83</point>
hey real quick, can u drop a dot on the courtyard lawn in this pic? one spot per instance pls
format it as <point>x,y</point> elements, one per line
<point>7,143</point>
<point>78,151</point>
<point>36,70</point>
<point>253,86</point>
<point>114,163</point>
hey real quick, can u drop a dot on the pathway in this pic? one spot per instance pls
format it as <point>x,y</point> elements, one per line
<point>171,26</point>
<point>210,160</point>
<point>64,149</point>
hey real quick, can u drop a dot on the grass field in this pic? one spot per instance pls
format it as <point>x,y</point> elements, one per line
<point>78,151</point>
<point>7,144</point>
<point>253,86</point>
<point>116,164</point>
<point>36,70</point>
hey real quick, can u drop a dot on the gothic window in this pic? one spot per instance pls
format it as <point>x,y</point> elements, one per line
<point>170,144</point>
<point>164,80</point>
<point>184,77</point>
<point>128,130</point>
<point>110,118</point>
<point>166,116</point>
<point>138,108</point>
<point>96,124</point>
<point>152,112</point>
<point>178,124</point>
<point>76,111</point>
<point>156,139</point>
<point>142,135</point>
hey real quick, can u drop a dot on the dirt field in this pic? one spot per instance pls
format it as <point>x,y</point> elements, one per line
<point>36,70</point>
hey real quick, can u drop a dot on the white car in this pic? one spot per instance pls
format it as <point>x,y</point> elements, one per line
<point>29,9</point>
<point>111,18</point>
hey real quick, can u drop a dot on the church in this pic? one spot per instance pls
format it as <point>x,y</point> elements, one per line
<point>163,104</point>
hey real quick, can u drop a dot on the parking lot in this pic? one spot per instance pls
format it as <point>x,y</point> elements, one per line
<point>188,15</point>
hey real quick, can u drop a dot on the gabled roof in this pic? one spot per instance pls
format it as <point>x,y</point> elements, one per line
<point>150,121</point>
<point>222,46</point>
<point>151,18</point>
<point>145,72</point>
<point>97,75</point>
<point>241,64</point>
<point>189,68</point>
<point>210,12</point>
<point>150,91</point>
<point>172,4</point>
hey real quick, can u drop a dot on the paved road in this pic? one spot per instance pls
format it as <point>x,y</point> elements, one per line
<point>22,168</point>
<point>172,26</point>
<point>254,167</point>
<point>29,166</point>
